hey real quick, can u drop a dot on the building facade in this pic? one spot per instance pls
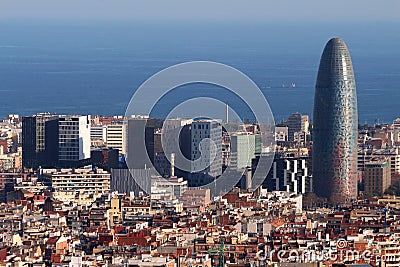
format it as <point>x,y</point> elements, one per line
<point>289,174</point>
<point>297,123</point>
<point>377,177</point>
<point>39,140</point>
<point>170,141</point>
<point>116,137</point>
<point>79,185</point>
<point>243,149</point>
<point>131,180</point>
<point>335,125</point>
<point>74,138</point>
<point>365,155</point>
<point>206,152</point>
<point>98,135</point>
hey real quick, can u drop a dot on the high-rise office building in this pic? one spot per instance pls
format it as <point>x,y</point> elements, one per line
<point>39,140</point>
<point>172,129</point>
<point>243,149</point>
<point>140,141</point>
<point>297,124</point>
<point>74,139</point>
<point>55,140</point>
<point>173,139</point>
<point>206,152</point>
<point>335,125</point>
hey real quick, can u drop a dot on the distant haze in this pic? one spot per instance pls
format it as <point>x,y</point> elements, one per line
<point>206,10</point>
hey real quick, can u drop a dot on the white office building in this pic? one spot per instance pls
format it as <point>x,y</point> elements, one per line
<point>116,137</point>
<point>98,132</point>
<point>74,138</point>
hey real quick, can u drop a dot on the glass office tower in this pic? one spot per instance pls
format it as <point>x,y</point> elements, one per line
<point>335,129</point>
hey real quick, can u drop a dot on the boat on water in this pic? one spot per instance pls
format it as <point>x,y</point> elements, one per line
<point>292,85</point>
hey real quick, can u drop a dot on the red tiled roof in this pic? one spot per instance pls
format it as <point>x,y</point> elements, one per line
<point>52,240</point>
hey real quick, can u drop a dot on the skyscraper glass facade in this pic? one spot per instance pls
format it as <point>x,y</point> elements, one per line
<point>335,125</point>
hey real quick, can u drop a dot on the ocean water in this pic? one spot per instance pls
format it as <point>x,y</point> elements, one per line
<point>94,68</point>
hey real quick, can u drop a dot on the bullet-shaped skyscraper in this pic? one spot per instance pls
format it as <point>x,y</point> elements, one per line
<point>335,125</point>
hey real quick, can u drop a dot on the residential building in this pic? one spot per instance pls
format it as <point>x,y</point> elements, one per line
<point>377,177</point>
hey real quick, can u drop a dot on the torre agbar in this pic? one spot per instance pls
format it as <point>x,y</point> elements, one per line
<point>335,126</point>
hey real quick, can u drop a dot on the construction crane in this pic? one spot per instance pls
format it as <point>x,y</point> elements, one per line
<point>220,251</point>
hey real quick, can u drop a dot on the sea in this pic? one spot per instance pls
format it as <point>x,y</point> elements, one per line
<point>95,67</point>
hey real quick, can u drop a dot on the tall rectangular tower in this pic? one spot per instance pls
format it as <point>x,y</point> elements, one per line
<point>39,140</point>
<point>74,138</point>
<point>206,152</point>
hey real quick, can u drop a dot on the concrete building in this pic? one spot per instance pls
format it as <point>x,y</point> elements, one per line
<point>78,185</point>
<point>98,134</point>
<point>164,165</point>
<point>281,133</point>
<point>365,155</point>
<point>171,132</point>
<point>140,142</point>
<point>168,189</point>
<point>206,152</point>
<point>50,140</point>
<point>74,139</point>
<point>170,141</point>
<point>243,149</point>
<point>196,197</point>
<point>297,123</point>
<point>116,136</point>
<point>377,177</point>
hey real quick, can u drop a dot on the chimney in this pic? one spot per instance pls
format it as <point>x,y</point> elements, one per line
<point>248,179</point>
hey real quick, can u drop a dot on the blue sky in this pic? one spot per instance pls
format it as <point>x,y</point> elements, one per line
<point>205,10</point>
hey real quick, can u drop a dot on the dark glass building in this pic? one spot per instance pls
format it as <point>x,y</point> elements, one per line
<point>39,141</point>
<point>335,126</point>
